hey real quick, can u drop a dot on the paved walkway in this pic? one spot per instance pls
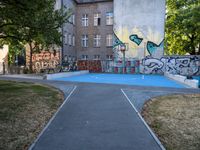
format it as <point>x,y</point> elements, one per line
<point>99,117</point>
<point>96,118</point>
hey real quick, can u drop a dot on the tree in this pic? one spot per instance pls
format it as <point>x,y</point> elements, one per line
<point>32,22</point>
<point>183,26</point>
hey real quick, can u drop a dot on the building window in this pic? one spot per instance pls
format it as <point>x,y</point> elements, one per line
<point>109,57</point>
<point>97,19</point>
<point>65,58</point>
<point>109,18</point>
<point>96,57</point>
<point>65,38</point>
<point>70,39</point>
<point>69,58</point>
<point>97,40</point>
<point>73,40</point>
<point>84,40</point>
<point>85,20</point>
<point>73,19</point>
<point>84,57</point>
<point>109,40</point>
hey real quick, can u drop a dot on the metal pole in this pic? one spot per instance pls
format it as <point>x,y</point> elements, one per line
<point>124,65</point>
<point>62,49</point>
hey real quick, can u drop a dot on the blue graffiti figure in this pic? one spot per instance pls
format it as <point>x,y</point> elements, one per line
<point>116,41</point>
<point>152,47</point>
<point>135,39</point>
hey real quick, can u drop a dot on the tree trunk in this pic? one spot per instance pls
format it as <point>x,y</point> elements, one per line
<point>31,59</point>
<point>198,53</point>
<point>193,52</point>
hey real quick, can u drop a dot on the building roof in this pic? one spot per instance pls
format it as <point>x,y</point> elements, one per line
<point>90,1</point>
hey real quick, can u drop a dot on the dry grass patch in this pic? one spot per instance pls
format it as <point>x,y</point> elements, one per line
<point>25,108</point>
<point>176,120</point>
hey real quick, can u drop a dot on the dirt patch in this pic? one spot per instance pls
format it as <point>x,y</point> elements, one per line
<point>25,109</point>
<point>176,120</point>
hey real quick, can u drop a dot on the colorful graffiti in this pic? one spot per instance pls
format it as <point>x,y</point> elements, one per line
<point>135,39</point>
<point>187,65</point>
<point>116,41</point>
<point>91,65</point>
<point>152,66</point>
<point>45,59</point>
<point>140,45</point>
<point>152,47</point>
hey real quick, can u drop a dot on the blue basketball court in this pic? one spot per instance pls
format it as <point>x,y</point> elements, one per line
<point>126,79</point>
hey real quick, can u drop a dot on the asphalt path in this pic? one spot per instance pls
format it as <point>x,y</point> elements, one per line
<point>96,118</point>
<point>99,117</point>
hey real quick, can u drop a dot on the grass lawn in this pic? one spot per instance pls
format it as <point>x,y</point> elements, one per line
<point>176,120</point>
<point>25,108</point>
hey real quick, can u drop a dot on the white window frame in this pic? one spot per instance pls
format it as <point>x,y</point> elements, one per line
<point>109,57</point>
<point>97,40</point>
<point>97,19</point>
<point>66,38</point>
<point>109,40</point>
<point>109,18</point>
<point>85,20</point>
<point>73,19</point>
<point>84,40</point>
<point>84,57</point>
<point>97,57</point>
<point>73,40</point>
<point>69,39</point>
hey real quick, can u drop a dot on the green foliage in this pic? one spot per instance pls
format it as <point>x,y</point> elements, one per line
<point>182,26</point>
<point>32,22</point>
<point>14,50</point>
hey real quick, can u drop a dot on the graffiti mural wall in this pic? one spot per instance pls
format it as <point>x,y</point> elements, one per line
<point>142,27</point>
<point>182,65</point>
<point>45,59</point>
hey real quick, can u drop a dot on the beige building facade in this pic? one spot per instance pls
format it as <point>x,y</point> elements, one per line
<point>3,58</point>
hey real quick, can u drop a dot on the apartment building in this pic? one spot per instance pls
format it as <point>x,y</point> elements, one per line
<point>89,35</point>
<point>96,24</point>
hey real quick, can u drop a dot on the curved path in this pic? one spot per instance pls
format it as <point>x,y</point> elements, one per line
<point>100,117</point>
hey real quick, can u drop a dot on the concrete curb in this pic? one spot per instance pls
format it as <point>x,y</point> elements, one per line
<point>183,79</point>
<point>65,74</point>
<point>147,126</point>
<point>50,121</point>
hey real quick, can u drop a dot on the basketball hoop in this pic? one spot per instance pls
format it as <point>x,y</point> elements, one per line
<point>123,48</point>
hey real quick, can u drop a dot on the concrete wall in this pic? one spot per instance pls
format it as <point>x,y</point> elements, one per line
<point>144,20</point>
<point>181,65</point>
<point>183,79</point>
<point>91,30</point>
<point>64,74</point>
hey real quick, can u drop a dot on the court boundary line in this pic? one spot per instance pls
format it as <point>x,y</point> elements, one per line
<point>52,118</point>
<point>155,90</point>
<point>144,122</point>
